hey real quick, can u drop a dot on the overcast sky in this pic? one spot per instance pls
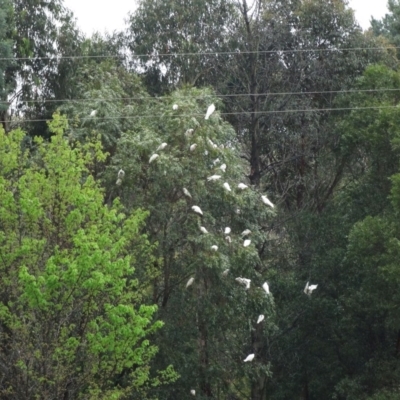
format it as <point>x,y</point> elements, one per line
<point>95,15</point>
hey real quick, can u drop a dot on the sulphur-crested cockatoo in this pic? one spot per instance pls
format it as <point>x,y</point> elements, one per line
<point>214,247</point>
<point>309,288</point>
<point>223,167</point>
<point>246,232</point>
<point>227,187</point>
<point>267,201</point>
<point>162,146</point>
<point>244,281</point>
<point>175,107</point>
<point>189,282</point>
<point>210,110</point>
<point>242,186</point>
<point>204,230</point>
<point>187,193</point>
<point>152,158</point>
<point>260,318</point>
<point>246,243</point>
<point>250,357</point>
<point>193,147</point>
<point>197,210</point>
<point>213,178</point>
<point>227,230</point>
<point>265,286</point>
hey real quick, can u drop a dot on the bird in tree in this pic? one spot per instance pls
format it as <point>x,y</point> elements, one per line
<point>246,243</point>
<point>214,247</point>
<point>197,210</point>
<point>225,272</point>
<point>309,289</point>
<point>260,318</point>
<point>189,132</point>
<point>121,174</point>
<point>175,107</point>
<point>193,147</point>
<point>227,187</point>
<point>193,392</point>
<point>246,232</point>
<point>210,110</point>
<point>162,146</point>
<point>242,186</point>
<point>93,113</point>
<point>187,193</point>
<point>227,230</point>
<point>266,201</point>
<point>244,281</point>
<point>213,178</point>
<point>204,230</point>
<point>265,286</point>
<point>189,282</point>
<point>250,357</point>
<point>223,167</point>
<point>228,239</point>
<point>152,158</point>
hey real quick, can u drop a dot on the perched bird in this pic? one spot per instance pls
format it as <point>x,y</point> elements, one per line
<point>93,113</point>
<point>267,201</point>
<point>246,232</point>
<point>225,273</point>
<point>121,174</point>
<point>260,318</point>
<point>221,146</point>
<point>175,107</point>
<point>227,187</point>
<point>244,281</point>
<point>210,110</point>
<point>238,211</point>
<point>206,153</point>
<point>197,210</point>
<point>215,248</point>
<point>227,230</point>
<point>246,243</point>
<point>187,193</point>
<point>193,392</point>
<point>193,147</point>
<point>213,178</point>
<point>211,143</point>
<point>119,181</point>
<point>216,161</point>
<point>228,239</point>
<point>309,289</point>
<point>223,167</point>
<point>204,230</point>
<point>189,132</point>
<point>242,186</point>
<point>265,286</point>
<point>189,282</point>
<point>250,357</point>
<point>152,158</point>
<point>162,146</point>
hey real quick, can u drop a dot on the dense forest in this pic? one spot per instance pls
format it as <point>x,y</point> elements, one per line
<point>203,205</point>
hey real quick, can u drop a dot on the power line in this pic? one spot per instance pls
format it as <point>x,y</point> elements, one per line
<point>211,53</point>
<point>205,96</point>
<point>152,116</point>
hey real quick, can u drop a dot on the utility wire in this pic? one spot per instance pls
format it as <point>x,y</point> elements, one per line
<point>208,96</point>
<point>211,53</point>
<point>152,116</point>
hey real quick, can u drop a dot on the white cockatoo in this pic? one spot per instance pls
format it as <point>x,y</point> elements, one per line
<point>238,211</point>
<point>260,318</point>
<point>193,147</point>
<point>227,230</point>
<point>210,110</point>
<point>204,230</point>
<point>213,178</point>
<point>216,161</point>
<point>211,143</point>
<point>119,181</point>
<point>266,201</point>
<point>246,243</point>
<point>227,187</point>
<point>197,210</point>
<point>187,193</point>
<point>242,186</point>
<point>223,167</point>
<point>206,153</point>
<point>189,132</point>
<point>175,107</point>
<point>214,247</point>
<point>244,281</point>
<point>228,239</point>
<point>93,113</point>
<point>246,232</point>
<point>162,146</point>
<point>250,357</point>
<point>152,158</point>
<point>193,392</point>
<point>225,272</point>
<point>121,174</point>
<point>189,282</point>
<point>309,288</point>
<point>265,286</point>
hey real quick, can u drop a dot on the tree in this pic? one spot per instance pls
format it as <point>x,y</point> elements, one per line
<point>73,321</point>
<point>210,326</point>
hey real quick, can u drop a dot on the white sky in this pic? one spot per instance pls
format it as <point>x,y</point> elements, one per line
<point>95,15</point>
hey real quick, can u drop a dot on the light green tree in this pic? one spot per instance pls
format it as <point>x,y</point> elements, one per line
<point>73,322</point>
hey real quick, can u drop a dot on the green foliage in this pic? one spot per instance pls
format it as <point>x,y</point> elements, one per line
<point>73,322</point>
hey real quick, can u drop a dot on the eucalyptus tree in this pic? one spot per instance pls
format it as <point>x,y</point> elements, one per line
<point>210,319</point>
